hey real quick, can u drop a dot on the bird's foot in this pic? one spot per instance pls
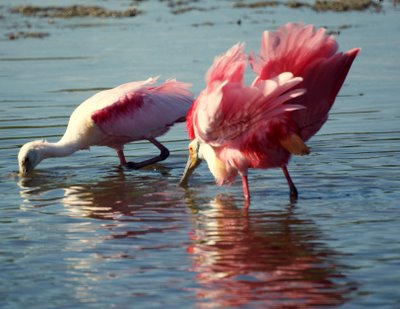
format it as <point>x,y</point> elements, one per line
<point>293,194</point>
<point>133,165</point>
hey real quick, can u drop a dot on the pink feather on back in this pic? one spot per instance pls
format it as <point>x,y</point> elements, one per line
<point>142,110</point>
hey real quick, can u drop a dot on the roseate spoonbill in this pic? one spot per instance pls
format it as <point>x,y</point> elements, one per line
<point>235,127</point>
<point>133,111</point>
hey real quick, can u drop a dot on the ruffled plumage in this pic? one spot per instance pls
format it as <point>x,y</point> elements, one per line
<point>299,73</point>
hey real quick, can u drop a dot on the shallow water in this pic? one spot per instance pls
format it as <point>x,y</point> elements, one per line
<point>80,233</point>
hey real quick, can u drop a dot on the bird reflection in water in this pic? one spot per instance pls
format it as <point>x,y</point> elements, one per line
<point>101,233</point>
<point>262,259</point>
<point>116,198</point>
<point>240,257</point>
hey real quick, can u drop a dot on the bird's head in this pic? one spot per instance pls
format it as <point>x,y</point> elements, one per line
<point>199,151</point>
<point>194,160</point>
<point>30,155</point>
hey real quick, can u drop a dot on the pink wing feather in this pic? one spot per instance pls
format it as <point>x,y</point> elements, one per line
<point>229,112</point>
<point>229,66</point>
<point>233,112</point>
<point>311,54</point>
<point>141,110</point>
<point>299,75</point>
<point>226,67</point>
<point>291,48</point>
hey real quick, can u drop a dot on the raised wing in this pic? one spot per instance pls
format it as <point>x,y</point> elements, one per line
<point>291,48</point>
<point>227,67</point>
<point>232,112</point>
<point>144,111</point>
<point>311,54</point>
<point>229,112</point>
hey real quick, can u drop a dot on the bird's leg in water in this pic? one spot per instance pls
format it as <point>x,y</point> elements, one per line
<point>121,157</point>
<point>164,153</point>
<point>293,190</point>
<point>246,192</point>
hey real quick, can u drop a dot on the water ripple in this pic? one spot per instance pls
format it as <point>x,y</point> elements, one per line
<point>273,259</point>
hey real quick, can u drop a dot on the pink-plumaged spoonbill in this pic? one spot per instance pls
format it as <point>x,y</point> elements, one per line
<point>133,111</point>
<point>235,127</point>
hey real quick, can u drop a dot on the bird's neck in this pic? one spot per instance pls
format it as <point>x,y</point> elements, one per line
<point>223,173</point>
<point>59,149</point>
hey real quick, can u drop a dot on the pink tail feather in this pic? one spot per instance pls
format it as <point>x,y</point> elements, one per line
<point>323,81</point>
<point>311,54</point>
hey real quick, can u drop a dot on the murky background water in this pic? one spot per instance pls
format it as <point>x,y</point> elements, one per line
<point>80,233</point>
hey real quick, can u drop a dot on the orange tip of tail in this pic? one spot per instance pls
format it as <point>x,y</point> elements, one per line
<point>295,145</point>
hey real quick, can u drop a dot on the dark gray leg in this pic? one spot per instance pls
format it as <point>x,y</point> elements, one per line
<point>292,187</point>
<point>164,153</point>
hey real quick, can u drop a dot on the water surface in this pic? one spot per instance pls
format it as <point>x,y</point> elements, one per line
<point>81,233</point>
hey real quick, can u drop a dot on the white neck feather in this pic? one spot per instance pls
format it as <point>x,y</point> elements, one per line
<point>58,149</point>
<point>223,174</point>
<point>207,153</point>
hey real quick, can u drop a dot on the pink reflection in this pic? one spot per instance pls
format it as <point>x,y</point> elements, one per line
<point>129,205</point>
<point>122,198</point>
<point>260,259</point>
